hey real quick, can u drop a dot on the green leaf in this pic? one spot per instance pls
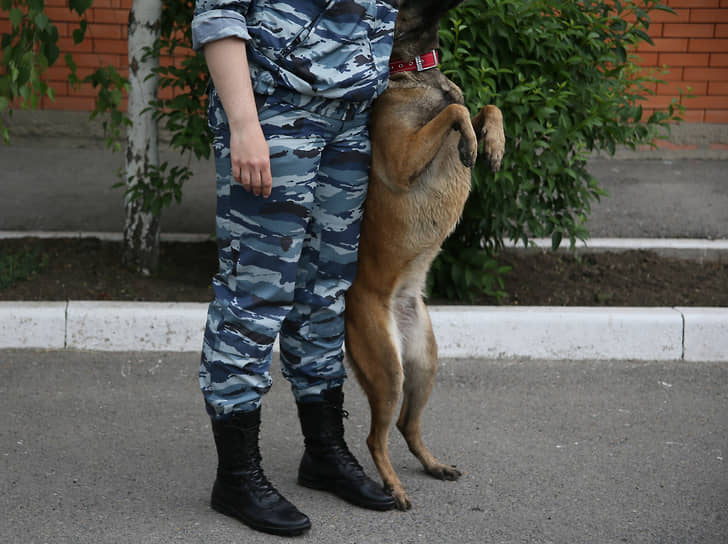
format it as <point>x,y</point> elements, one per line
<point>16,17</point>
<point>80,6</point>
<point>41,21</point>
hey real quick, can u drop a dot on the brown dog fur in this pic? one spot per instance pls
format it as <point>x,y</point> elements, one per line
<point>423,146</point>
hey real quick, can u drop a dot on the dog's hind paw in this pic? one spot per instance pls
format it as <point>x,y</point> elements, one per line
<point>401,500</point>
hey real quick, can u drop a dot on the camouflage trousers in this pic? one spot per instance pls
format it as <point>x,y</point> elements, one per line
<point>285,262</point>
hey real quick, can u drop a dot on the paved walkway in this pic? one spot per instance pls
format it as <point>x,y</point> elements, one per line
<point>66,185</point>
<point>115,448</point>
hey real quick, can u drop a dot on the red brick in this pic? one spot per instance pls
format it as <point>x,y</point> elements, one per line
<point>721,147</point>
<point>684,59</point>
<point>665,45</point>
<point>721,31</point>
<point>674,73</point>
<point>688,30</point>
<point>56,14</point>
<point>718,59</point>
<point>707,102</point>
<point>718,87</point>
<point>709,15</point>
<point>680,16</point>
<point>72,103</point>
<point>58,71</point>
<point>663,144</point>
<point>708,74</point>
<point>105,31</point>
<point>658,102</point>
<point>697,45</point>
<point>105,4</point>
<point>716,116</point>
<point>698,88</point>
<point>646,59</point>
<point>85,90</point>
<point>693,3</point>
<point>693,116</point>
<point>119,46</point>
<point>655,31</point>
<point>95,60</point>
<point>65,29</point>
<point>100,15</point>
<point>67,45</point>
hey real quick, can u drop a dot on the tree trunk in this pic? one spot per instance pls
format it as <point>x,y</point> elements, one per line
<point>141,229</point>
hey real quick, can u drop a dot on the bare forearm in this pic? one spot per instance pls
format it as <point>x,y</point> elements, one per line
<point>228,65</point>
<point>249,153</point>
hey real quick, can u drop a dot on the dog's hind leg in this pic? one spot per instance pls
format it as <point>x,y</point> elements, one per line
<point>373,351</point>
<point>420,368</point>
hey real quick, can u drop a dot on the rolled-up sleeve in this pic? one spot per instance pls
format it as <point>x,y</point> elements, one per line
<point>217,19</point>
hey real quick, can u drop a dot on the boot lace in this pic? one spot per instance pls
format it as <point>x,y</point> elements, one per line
<point>256,478</point>
<point>338,445</point>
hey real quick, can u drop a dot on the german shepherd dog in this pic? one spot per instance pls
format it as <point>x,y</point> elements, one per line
<point>424,144</point>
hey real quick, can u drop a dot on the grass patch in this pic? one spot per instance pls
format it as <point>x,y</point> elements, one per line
<point>20,266</point>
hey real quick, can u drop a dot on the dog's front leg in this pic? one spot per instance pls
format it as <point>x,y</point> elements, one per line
<point>488,126</point>
<point>406,161</point>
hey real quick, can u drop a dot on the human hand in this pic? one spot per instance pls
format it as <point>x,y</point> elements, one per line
<point>250,158</point>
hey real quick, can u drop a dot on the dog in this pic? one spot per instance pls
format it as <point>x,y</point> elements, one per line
<point>424,144</point>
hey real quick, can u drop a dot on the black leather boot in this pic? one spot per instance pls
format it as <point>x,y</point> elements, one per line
<point>241,489</point>
<point>327,463</point>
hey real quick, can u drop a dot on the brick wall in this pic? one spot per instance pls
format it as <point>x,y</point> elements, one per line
<point>105,44</point>
<point>693,44</point>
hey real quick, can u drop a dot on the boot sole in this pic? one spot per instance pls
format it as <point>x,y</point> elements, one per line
<point>319,485</point>
<point>254,524</point>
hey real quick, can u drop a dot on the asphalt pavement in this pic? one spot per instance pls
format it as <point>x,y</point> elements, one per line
<point>66,184</point>
<point>569,446</point>
<point>116,448</point>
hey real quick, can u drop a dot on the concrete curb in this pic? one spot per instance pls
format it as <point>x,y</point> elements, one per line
<point>682,248</point>
<point>685,248</point>
<point>594,333</point>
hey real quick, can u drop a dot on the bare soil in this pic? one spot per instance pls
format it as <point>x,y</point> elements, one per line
<point>89,269</point>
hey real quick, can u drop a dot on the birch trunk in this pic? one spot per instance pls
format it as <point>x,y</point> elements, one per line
<point>141,229</point>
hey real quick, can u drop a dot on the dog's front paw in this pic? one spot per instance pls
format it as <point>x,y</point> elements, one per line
<point>493,136</point>
<point>494,146</point>
<point>468,152</point>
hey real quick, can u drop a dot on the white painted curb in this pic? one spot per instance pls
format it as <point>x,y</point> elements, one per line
<point>706,334</point>
<point>140,326</point>
<point>486,332</point>
<point>680,248</point>
<point>559,333</point>
<point>33,325</point>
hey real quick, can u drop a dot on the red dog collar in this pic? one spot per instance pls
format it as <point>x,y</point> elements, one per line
<point>419,63</point>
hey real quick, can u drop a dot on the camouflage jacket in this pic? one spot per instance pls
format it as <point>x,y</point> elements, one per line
<point>336,49</point>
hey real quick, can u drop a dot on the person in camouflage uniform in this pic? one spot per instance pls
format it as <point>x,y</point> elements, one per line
<point>289,101</point>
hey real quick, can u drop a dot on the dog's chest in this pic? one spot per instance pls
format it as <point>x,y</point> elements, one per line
<point>441,191</point>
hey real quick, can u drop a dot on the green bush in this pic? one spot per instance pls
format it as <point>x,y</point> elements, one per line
<point>563,76</point>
